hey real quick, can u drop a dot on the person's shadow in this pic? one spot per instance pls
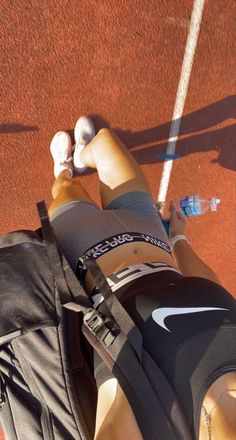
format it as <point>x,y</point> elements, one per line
<point>16,128</point>
<point>197,135</point>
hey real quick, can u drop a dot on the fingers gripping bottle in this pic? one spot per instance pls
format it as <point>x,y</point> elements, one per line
<point>193,206</point>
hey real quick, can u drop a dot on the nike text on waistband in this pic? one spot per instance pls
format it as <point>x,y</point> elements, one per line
<point>114,241</point>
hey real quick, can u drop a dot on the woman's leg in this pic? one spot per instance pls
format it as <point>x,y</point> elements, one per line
<point>117,169</point>
<point>66,189</point>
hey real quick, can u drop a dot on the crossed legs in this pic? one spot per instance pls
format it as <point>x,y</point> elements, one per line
<point>117,169</point>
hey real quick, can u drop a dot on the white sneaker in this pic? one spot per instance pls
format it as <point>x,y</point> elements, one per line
<point>84,132</point>
<point>61,151</point>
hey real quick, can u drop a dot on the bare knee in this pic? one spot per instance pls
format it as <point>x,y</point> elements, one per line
<point>104,131</point>
<point>97,149</point>
<point>107,142</point>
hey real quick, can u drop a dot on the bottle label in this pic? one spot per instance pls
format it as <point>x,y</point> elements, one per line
<point>190,206</point>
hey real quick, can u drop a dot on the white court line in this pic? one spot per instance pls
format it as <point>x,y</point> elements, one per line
<point>190,48</point>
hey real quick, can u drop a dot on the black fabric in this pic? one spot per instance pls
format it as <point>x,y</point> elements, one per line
<point>195,348</point>
<point>44,372</point>
<point>44,376</point>
<point>17,277</point>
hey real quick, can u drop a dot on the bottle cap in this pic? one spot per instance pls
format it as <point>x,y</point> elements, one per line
<point>214,203</point>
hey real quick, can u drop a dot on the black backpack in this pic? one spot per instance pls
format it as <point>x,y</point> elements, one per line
<point>48,330</point>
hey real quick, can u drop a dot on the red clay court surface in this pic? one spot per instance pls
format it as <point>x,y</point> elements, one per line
<point>119,62</point>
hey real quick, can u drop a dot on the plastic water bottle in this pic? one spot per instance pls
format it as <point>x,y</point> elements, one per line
<point>193,206</point>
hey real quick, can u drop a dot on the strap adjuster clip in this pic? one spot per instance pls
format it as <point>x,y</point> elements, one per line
<point>93,320</point>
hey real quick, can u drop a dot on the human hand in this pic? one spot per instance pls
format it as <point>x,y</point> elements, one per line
<point>177,221</point>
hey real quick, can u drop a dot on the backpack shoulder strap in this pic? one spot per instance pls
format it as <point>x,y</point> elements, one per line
<point>64,276</point>
<point>52,251</point>
<point>120,345</point>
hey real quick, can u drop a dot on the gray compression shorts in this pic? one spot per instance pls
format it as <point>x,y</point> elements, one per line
<point>80,225</point>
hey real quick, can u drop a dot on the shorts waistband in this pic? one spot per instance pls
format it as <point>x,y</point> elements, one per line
<point>128,237</point>
<point>126,275</point>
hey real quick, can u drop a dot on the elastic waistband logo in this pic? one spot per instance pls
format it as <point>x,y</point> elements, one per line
<point>117,240</point>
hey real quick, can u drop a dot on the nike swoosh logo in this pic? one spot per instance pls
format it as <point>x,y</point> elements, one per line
<point>159,315</point>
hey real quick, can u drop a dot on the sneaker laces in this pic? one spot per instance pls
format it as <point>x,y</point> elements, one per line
<point>68,160</point>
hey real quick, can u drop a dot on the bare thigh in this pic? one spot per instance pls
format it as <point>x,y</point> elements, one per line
<point>117,169</point>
